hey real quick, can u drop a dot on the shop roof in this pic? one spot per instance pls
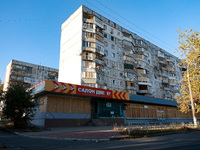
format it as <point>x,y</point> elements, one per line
<point>144,99</point>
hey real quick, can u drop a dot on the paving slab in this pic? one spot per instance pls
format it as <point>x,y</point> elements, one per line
<point>77,133</point>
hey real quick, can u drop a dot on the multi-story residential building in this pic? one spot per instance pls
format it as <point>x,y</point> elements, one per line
<point>97,52</point>
<point>27,73</point>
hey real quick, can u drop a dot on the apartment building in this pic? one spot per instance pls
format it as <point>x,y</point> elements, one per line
<point>27,73</point>
<point>97,52</point>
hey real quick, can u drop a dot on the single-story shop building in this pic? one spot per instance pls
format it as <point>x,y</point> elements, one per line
<point>65,105</point>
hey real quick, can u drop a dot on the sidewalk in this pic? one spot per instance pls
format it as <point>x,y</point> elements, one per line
<point>86,133</point>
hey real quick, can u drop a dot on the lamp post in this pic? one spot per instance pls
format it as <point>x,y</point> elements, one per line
<point>191,97</point>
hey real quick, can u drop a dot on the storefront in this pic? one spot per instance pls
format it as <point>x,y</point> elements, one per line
<point>63,105</point>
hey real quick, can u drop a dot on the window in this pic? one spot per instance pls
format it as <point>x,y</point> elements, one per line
<point>105,35</point>
<point>106,52</point>
<point>88,64</point>
<point>121,83</point>
<point>99,47</point>
<point>105,43</point>
<point>98,20</point>
<point>88,25</point>
<point>120,57</point>
<point>118,33</point>
<point>113,64</point>
<point>128,66</point>
<point>88,74</point>
<point>114,82</point>
<point>106,71</point>
<point>87,44</point>
<point>113,55</point>
<point>106,61</point>
<point>105,27</point>
<point>119,41</point>
<point>88,35</point>
<point>120,66</point>
<point>112,31</point>
<point>120,74</point>
<point>113,46</point>
<point>114,73</point>
<point>112,38</point>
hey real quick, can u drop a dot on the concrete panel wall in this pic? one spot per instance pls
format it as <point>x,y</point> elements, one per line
<point>70,49</point>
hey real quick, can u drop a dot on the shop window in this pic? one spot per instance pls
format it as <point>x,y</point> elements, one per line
<point>110,109</point>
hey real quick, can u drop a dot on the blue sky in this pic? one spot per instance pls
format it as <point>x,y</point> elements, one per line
<point>30,29</point>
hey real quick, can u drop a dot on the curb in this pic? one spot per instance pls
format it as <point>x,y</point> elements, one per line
<point>67,139</point>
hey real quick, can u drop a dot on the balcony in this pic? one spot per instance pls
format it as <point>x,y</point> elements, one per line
<point>102,82</point>
<point>86,57</point>
<point>126,61</point>
<point>130,88</point>
<point>90,49</point>
<point>88,20</point>
<point>173,83</point>
<point>161,54</point>
<point>127,38</point>
<point>99,33</point>
<point>165,81</point>
<point>167,94</point>
<point>144,83</point>
<point>21,74</point>
<point>88,28</point>
<point>162,61</point>
<point>89,80</point>
<point>98,61</point>
<point>167,88</point>
<point>89,39</point>
<point>144,91</point>
<point>169,59</point>
<point>165,75</point>
<point>100,71</point>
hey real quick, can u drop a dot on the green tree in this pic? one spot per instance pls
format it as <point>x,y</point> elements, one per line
<point>19,106</point>
<point>190,53</point>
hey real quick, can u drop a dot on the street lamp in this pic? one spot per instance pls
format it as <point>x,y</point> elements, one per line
<point>191,97</point>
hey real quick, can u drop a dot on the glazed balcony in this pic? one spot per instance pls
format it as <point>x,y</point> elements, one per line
<point>89,39</point>
<point>88,20</point>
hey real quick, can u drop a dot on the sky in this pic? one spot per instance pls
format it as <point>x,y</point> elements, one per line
<point>30,30</point>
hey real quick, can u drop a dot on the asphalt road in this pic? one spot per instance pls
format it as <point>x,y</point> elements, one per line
<point>176,141</point>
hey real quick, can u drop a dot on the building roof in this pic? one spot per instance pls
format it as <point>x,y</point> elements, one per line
<point>144,99</point>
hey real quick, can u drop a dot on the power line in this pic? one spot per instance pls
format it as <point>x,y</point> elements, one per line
<point>132,24</point>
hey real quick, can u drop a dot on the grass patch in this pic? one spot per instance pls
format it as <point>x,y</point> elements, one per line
<point>9,127</point>
<point>155,132</point>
